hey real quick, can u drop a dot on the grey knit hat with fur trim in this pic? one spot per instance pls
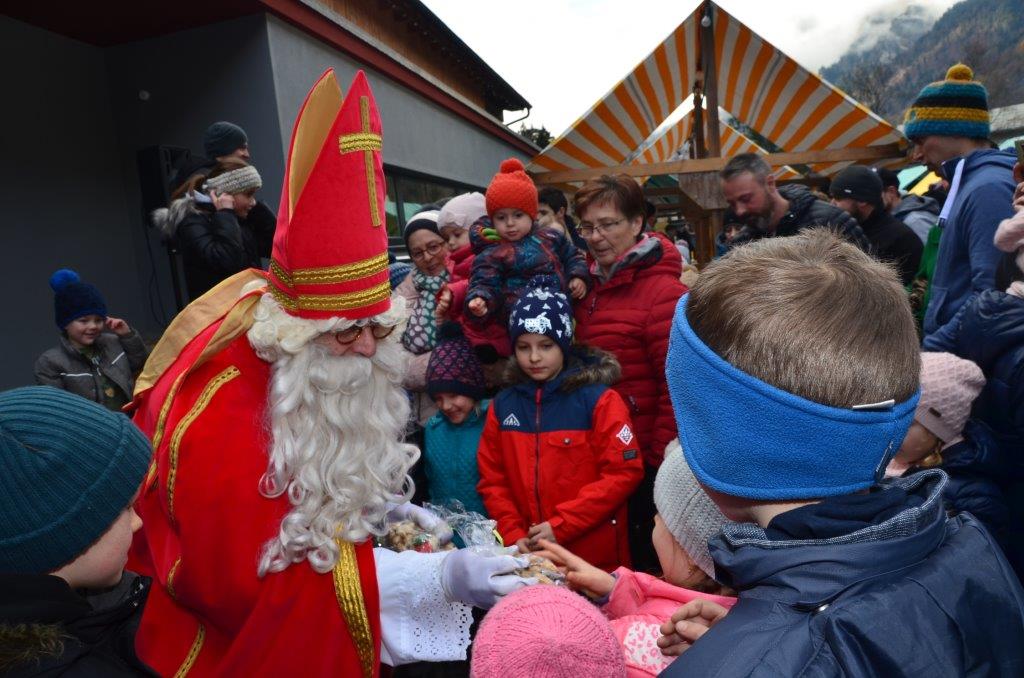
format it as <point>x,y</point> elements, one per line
<point>685,508</point>
<point>241,180</point>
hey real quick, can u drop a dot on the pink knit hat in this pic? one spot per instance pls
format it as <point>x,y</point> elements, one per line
<point>949,386</point>
<point>546,632</point>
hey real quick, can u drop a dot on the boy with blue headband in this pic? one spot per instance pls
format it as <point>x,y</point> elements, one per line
<point>838,572</point>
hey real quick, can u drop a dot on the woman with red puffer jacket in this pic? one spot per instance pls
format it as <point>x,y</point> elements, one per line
<point>628,313</point>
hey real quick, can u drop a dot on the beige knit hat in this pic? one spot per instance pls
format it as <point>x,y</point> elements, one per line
<point>949,386</point>
<point>685,508</point>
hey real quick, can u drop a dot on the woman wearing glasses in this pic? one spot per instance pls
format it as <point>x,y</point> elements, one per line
<point>431,271</point>
<point>628,312</point>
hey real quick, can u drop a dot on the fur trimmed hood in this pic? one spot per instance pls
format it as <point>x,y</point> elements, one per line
<point>167,219</point>
<point>23,643</point>
<point>585,365</point>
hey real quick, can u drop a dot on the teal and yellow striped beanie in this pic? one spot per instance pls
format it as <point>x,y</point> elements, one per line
<point>954,107</point>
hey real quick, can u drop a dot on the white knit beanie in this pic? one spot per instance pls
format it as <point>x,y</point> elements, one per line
<point>685,508</point>
<point>462,211</point>
<point>240,180</point>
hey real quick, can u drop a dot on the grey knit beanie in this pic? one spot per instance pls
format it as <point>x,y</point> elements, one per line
<point>68,468</point>
<point>240,180</point>
<point>686,509</point>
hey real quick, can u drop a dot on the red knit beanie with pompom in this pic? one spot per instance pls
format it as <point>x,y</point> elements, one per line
<point>512,188</point>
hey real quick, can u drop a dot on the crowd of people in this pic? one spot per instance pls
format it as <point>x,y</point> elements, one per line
<point>803,460</point>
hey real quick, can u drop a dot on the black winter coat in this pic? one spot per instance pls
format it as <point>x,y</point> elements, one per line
<point>806,211</point>
<point>215,245</point>
<point>46,629</point>
<point>916,594</point>
<point>893,241</point>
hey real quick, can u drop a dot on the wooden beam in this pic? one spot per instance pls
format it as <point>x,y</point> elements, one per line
<point>827,155</point>
<point>661,192</point>
<point>707,45</point>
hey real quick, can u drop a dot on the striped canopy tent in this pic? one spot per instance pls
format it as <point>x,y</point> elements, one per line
<point>757,85</point>
<point>667,143</point>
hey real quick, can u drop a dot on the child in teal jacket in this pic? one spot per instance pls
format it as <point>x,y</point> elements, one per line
<point>456,383</point>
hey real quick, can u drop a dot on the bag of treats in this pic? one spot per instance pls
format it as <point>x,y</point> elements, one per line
<point>476,532</point>
<point>406,535</point>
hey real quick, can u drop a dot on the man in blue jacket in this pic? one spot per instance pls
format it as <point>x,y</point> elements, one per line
<point>948,124</point>
<point>838,572</point>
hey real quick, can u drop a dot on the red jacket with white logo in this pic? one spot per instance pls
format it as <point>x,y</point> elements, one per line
<point>563,452</point>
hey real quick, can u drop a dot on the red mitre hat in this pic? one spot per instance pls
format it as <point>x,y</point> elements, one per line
<point>330,255</point>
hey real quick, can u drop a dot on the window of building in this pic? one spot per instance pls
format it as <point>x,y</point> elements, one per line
<point>409,191</point>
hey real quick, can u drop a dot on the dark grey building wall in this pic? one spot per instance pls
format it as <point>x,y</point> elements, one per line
<point>61,197</point>
<point>190,79</point>
<point>419,135</point>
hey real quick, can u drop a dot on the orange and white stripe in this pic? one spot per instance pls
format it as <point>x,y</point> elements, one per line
<point>758,85</point>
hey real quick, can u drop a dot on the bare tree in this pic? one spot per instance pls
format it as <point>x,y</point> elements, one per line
<point>868,83</point>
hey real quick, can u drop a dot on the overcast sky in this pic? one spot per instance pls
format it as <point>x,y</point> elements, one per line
<point>563,55</point>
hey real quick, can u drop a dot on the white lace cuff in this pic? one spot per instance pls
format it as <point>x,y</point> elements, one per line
<point>417,621</point>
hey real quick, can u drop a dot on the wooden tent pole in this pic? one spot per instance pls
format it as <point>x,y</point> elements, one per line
<point>710,68</point>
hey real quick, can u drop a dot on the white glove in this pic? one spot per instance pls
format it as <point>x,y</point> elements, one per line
<point>481,579</point>
<point>425,519</point>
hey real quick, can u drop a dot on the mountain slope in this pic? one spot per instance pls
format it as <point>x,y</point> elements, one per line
<point>887,73</point>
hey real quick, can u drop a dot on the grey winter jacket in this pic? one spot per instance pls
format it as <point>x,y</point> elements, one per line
<point>118,359</point>
<point>919,212</point>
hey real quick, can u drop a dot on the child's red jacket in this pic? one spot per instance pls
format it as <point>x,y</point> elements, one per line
<point>563,452</point>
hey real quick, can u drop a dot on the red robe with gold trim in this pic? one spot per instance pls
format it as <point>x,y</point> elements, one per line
<point>205,523</point>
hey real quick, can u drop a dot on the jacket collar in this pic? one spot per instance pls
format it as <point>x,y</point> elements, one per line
<point>648,252</point>
<point>810,573</point>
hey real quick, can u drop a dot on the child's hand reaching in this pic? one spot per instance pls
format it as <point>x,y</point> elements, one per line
<point>577,288</point>
<point>689,623</point>
<point>540,531</point>
<point>478,307</point>
<point>444,302</point>
<point>118,326</point>
<point>582,576</point>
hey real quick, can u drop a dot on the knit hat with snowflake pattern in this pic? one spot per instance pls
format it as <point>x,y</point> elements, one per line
<point>954,107</point>
<point>542,310</point>
<point>453,365</point>
<point>512,188</point>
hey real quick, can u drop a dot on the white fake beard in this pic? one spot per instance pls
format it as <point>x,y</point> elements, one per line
<point>337,424</point>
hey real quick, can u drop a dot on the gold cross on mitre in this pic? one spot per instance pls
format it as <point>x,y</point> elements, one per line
<point>367,142</point>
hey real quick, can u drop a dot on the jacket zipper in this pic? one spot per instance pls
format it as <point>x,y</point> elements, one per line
<point>536,468</point>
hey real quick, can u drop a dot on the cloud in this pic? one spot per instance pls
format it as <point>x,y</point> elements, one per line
<point>564,55</point>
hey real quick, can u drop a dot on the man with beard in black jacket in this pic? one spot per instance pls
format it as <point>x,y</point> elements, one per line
<point>857,190</point>
<point>768,210</point>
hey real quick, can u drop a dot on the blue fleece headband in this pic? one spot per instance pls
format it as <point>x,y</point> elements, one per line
<point>746,438</point>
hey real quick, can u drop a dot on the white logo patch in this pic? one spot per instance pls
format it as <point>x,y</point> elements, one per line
<point>625,435</point>
<point>538,325</point>
<point>511,420</point>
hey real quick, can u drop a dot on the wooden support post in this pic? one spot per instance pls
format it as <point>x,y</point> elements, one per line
<point>710,69</point>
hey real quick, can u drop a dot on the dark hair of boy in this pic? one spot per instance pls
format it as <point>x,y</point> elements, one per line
<point>553,198</point>
<point>812,315</point>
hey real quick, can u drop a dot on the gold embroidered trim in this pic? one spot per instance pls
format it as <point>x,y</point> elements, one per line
<point>349,592</point>
<point>332,302</point>
<point>161,422</point>
<point>179,431</point>
<point>359,142</point>
<point>366,142</point>
<point>331,274</point>
<point>193,653</point>
<point>170,579</point>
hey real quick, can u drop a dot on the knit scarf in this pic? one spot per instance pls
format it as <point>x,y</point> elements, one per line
<point>421,332</point>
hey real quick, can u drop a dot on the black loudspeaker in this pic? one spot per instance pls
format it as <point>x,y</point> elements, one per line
<point>158,168</point>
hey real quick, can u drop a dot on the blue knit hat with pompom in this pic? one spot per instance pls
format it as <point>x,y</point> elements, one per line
<point>74,299</point>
